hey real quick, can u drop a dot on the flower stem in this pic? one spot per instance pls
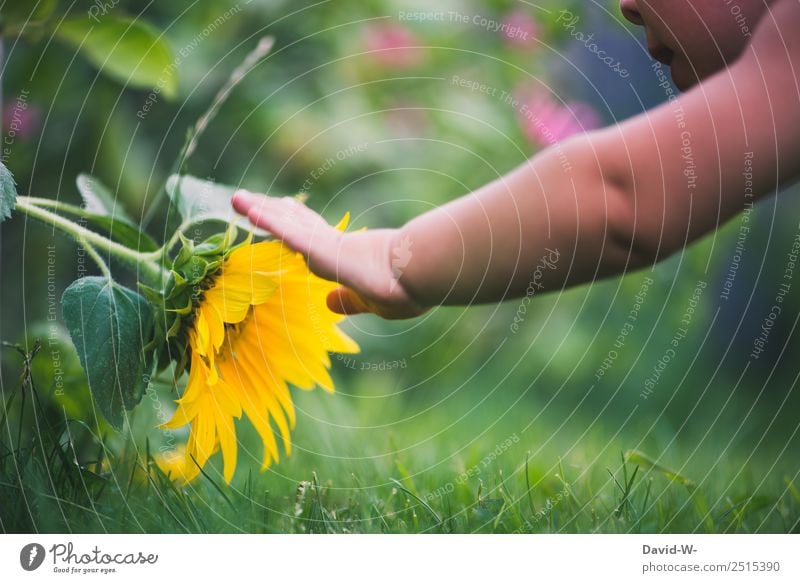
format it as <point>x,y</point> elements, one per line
<point>142,262</point>
<point>79,212</point>
<point>97,259</point>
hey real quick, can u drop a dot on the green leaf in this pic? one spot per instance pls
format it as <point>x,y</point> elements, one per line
<point>200,200</point>
<point>123,232</point>
<point>109,326</point>
<point>125,49</point>
<point>101,208</point>
<point>8,193</point>
<point>97,198</point>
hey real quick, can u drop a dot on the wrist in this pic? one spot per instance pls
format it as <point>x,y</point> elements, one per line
<point>403,261</point>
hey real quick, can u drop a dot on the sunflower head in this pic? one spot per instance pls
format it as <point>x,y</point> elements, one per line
<point>192,272</point>
<point>248,321</point>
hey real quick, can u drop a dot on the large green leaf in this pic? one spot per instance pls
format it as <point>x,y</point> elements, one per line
<point>8,192</point>
<point>200,200</point>
<point>109,326</point>
<point>127,50</point>
<point>101,208</point>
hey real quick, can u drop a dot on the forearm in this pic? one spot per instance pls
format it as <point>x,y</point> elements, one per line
<point>600,204</point>
<point>554,221</point>
<point>626,196</point>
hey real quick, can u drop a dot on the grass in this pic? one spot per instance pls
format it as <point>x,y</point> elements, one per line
<point>50,494</point>
<point>63,477</point>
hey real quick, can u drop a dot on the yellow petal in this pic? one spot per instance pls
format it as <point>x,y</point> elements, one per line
<point>227,439</point>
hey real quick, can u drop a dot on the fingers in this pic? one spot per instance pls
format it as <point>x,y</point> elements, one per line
<point>286,218</point>
<point>242,201</point>
<point>346,302</point>
<point>296,225</point>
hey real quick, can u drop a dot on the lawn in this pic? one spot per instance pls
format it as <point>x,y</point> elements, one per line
<point>371,459</point>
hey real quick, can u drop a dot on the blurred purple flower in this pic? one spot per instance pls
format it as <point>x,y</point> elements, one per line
<point>546,121</point>
<point>520,29</point>
<point>392,45</point>
<point>21,120</point>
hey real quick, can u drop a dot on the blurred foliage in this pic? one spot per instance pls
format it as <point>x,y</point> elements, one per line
<point>358,107</point>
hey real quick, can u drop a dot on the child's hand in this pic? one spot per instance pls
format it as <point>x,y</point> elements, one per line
<point>363,261</point>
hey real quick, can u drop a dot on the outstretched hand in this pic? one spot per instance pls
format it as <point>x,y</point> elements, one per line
<point>368,264</point>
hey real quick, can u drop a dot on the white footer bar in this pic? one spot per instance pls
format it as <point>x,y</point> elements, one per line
<point>401,558</point>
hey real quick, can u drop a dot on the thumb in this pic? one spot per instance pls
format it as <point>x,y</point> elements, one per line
<point>347,302</point>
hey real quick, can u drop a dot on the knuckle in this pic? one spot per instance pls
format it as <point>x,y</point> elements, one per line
<point>254,214</point>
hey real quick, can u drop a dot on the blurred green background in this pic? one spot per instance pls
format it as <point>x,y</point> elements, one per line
<point>387,109</point>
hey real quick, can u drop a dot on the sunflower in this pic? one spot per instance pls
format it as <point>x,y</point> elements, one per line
<point>260,325</point>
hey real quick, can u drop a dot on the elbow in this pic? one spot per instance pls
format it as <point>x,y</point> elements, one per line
<point>641,219</point>
<point>630,235</point>
<point>637,237</point>
<point>634,226</point>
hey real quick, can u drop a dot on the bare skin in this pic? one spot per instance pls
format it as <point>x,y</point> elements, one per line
<point>629,195</point>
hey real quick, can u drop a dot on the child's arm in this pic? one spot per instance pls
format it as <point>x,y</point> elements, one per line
<point>609,201</point>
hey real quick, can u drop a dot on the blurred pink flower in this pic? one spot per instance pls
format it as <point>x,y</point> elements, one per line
<point>21,119</point>
<point>546,121</point>
<point>520,29</point>
<point>392,45</point>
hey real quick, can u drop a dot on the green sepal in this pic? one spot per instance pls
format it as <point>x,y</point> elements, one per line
<point>214,245</point>
<point>183,311</point>
<point>178,283</point>
<point>175,328</point>
<point>213,266</point>
<point>185,254</point>
<point>151,293</point>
